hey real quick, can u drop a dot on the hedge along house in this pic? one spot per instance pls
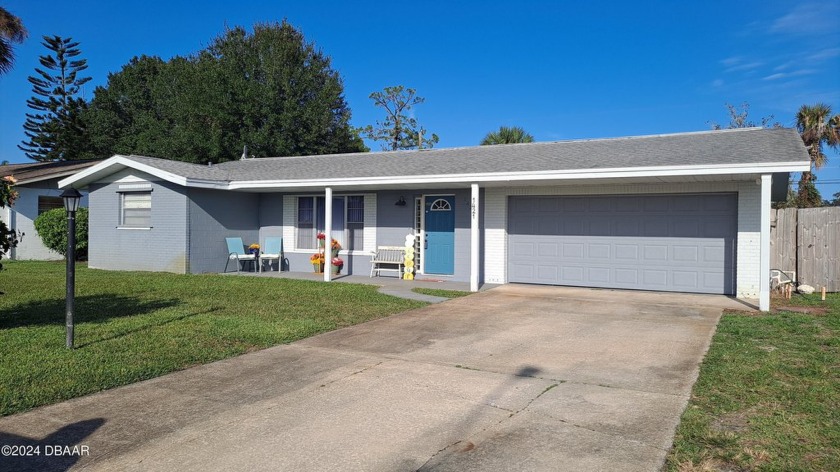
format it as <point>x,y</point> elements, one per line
<point>683,212</point>
<point>38,191</point>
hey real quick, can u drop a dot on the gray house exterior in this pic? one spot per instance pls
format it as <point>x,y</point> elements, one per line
<point>684,212</point>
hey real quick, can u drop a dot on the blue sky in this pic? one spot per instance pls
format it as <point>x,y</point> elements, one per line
<point>560,69</point>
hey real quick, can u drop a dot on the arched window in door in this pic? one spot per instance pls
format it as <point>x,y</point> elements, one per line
<point>440,205</point>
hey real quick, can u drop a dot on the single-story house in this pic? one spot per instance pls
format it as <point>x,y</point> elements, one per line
<point>687,212</point>
<point>37,187</point>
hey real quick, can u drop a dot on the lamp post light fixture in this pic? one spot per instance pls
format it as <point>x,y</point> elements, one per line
<point>71,198</point>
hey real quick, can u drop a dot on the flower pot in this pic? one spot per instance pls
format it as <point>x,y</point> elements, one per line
<point>336,269</point>
<point>335,253</point>
<point>319,268</point>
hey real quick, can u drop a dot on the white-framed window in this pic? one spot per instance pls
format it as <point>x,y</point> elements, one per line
<point>136,209</point>
<point>348,221</point>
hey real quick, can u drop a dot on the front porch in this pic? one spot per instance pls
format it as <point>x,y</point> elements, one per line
<point>389,285</point>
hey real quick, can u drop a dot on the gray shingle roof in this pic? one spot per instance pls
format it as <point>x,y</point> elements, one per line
<point>710,148</point>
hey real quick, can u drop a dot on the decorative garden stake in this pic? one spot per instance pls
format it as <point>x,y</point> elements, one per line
<point>71,197</point>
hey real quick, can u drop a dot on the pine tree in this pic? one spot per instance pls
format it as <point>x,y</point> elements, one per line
<point>56,133</point>
<point>400,130</point>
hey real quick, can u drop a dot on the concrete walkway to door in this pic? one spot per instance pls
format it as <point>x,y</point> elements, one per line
<point>514,378</point>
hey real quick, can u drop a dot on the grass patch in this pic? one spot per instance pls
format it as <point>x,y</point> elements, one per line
<point>132,326</point>
<point>437,292</point>
<point>767,394</point>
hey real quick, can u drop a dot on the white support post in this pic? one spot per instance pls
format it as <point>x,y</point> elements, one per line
<point>764,255</point>
<point>327,234</point>
<point>474,239</point>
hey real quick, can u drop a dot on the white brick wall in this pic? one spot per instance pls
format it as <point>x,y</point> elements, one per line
<point>290,209</point>
<point>369,234</point>
<point>749,238</point>
<point>749,194</point>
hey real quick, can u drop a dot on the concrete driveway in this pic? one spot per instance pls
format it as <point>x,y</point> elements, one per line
<point>515,378</point>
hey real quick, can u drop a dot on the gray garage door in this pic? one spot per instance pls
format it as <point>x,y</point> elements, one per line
<point>681,243</point>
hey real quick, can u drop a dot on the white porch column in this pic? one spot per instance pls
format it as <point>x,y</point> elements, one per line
<point>764,255</point>
<point>327,234</point>
<point>474,239</point>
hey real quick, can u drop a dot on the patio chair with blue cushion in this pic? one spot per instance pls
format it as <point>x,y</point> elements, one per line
<point>273,249</point>
<point>236,251</point>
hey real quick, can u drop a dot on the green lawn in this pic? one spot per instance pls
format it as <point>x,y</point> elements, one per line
<point>437,292</point>
<point>768,395</point>
<point>132,326</point>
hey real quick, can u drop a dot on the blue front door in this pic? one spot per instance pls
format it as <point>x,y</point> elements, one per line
<point>439,256</point>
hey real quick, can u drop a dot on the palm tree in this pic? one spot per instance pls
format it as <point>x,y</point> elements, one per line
<point>11,31</point>
<point>816,126</point>
<point>507,135</point>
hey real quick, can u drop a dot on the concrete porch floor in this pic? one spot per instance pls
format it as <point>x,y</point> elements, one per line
<point>388,284</point>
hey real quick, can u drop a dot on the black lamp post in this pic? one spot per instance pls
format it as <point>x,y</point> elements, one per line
<point>71,197</point>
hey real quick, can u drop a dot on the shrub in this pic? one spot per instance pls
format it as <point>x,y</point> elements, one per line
<point>52,227</point>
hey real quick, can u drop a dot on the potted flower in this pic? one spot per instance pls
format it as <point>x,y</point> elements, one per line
<point>321,237</point>
<point>337,264</point>
<point>254,248</point>
<point>335,246</point>
<point>317,261</point>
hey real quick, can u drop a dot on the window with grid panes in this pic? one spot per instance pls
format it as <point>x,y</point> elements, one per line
<point>136,209</point>
<point>347,222</point>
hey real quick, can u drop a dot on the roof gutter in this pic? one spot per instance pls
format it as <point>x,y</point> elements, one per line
<point>102,169</point>
<point>560,175</point>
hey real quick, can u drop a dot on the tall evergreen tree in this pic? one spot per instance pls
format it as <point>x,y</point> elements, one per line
<point>56,132</point>
<point>11,31</point>
<point>268,89</point>
<point>399,130</point>
<point>507,135</point>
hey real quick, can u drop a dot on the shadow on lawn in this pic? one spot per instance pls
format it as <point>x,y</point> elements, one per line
<point>146,326</point>
<point>89,308</point>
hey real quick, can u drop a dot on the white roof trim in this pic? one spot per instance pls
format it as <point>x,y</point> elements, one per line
<point>559,175</point>
<point>121,162</point>
<point>104,168</point>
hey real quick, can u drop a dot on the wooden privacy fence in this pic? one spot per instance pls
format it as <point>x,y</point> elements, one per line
<point>807,240</point>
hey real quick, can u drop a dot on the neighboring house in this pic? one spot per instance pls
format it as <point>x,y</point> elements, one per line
<point>37,187</point>
<point>684,212</point>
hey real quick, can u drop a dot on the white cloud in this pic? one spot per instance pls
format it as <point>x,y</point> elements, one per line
<point>747,66</point>
<point>824,54</point>
<point>785,75</point>
<point>809,19</point>
<point>731,61</point>
<point>786,65</point>
<point>738,63</point>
